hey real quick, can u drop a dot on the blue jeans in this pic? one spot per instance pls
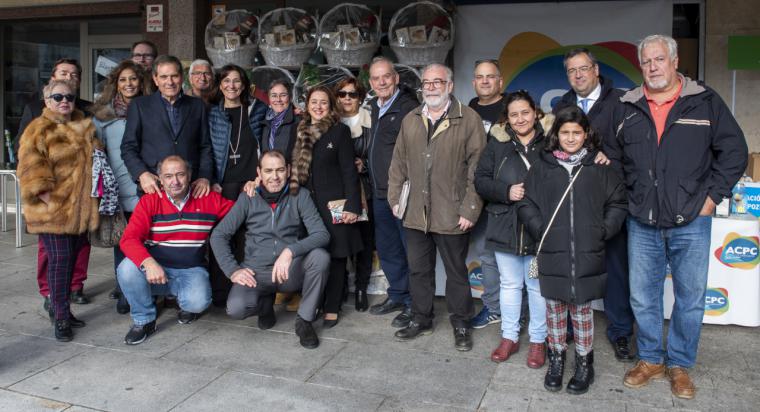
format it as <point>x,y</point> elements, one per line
<point>686,249</point>
<point>190,286</point>
<point>514,274</point>
<point>391,249</point>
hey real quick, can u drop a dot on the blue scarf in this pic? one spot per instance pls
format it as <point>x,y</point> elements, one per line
<point>276,120</point>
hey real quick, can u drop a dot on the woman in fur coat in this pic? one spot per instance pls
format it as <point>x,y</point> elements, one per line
<point>55,173</point>
<point>125,82</point>
<point>323,163</point>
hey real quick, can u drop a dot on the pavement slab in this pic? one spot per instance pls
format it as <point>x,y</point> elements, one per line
<point>19,402</point>
<point>241,391</point>
<point>124,382</point>
<point>22,356</point>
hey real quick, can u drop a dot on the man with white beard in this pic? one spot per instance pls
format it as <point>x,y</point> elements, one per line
<point>436,151</point>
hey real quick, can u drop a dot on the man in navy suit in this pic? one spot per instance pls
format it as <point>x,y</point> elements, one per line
<point>167,123</point>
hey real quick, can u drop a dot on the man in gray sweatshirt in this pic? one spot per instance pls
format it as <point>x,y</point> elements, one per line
<point>277,258</point>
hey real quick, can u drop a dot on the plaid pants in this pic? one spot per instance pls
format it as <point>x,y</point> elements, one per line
<point>583,325</point>
<point>62,253</point>
<point>80,268</point>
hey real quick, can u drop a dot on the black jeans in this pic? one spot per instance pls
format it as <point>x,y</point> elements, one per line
<point>421,249</point>
<point>363,259</point>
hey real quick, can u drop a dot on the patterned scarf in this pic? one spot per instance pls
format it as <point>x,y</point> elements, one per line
<point>119,106</point>
<point>276,120</point>
<point>570,159</point>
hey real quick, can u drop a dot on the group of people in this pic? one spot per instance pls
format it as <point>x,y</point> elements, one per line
<point>594,200</point>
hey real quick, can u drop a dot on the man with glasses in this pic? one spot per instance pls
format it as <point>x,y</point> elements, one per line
<point>596,96</point>
<point>143,53</point>
<point>681,151</point>
<point>388,110</point>
<point>63,69</point>
<point>437,151</point>
<point>201,78</point>
<point>489,104</point>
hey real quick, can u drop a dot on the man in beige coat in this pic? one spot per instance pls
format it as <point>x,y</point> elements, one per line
<point>437,151</point>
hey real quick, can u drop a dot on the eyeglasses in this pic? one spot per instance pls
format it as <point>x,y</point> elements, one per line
<point>353,95</point>
<point>436,83</point>
<point>581,70</point>
<point>58,97</point>
<point>204,74</point>
<point>657,61</point>
<point>64,74</point>
<point>146,56</point>
<point>281,96</point>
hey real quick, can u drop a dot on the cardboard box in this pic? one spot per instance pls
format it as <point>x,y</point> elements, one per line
<point>753,167</point>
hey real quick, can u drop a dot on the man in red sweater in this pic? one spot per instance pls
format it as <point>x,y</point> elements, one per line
<point>165,246</point>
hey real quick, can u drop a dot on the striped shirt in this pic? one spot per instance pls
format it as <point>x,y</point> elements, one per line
<point>176,238</point>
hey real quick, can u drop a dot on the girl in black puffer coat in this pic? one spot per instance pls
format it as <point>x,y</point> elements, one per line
<point>571,260</point>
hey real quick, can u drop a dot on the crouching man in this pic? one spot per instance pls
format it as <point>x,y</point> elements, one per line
<point>276,259</point>
<point>165,246</point>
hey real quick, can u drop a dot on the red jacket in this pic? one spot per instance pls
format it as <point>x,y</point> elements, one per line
<point>176,239</point>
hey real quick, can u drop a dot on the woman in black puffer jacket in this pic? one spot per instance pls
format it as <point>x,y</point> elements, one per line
<point>514,143</point>
<point>571,260</point>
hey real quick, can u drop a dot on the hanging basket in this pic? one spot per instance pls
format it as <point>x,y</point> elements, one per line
<point>232,38</point>
<point>312,75</point>
<point>421,33</point>
<point>287,37</point>
<point>349,35</point>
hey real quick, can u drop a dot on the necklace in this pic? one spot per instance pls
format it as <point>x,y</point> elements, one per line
<point>235,156</point>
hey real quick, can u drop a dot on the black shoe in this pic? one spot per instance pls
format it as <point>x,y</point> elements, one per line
<point>267,319</point>
<point>306,334</point>
<point>78,297</point>
<point>386,307</point>
<point>361,303</point>
<point>463,339</point>
<point>76,323</point>
<point>63,331</point>
<point>623,351</point>
<point>402,319</point>
<point>138,334</point>
<point>584,374</point>
<point>329,323</point>
<point>412,331</point>
<point>114,294</point>
<point>46,304</point>
<point>555,371</point>
<point>122,306</point>
<point>184,317</point>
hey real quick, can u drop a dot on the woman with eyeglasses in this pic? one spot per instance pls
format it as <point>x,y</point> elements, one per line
<point>350,96</point>
<point>513,146</point>
<point>323,164</point>
<point>235,126</point>
<point>125,82</point>
<point>55,173</point>
<point>281,122</point>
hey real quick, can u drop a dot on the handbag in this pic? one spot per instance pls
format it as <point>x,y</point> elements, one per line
<point>533,267</point>
<point>109,231</point>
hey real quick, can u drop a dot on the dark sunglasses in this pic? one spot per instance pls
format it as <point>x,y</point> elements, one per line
<point>353,95</point>
<point>59,97</point>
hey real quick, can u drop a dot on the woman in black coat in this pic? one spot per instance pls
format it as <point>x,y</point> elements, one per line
<point>323,163</point>
<point>571,260</point>
<point>281,122</point>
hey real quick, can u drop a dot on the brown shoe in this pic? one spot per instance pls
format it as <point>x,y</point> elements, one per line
<point>505,349</point>
<point>536,355</point>
<point>680,383</point>
<point>642,373</point>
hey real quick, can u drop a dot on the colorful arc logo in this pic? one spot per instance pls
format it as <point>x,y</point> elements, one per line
<point>740,252</point>
<point>475,274</point>
<point>716,302</point>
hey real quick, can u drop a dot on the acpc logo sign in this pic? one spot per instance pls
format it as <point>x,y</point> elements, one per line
<point>716,302</point>
<point>739,251</point>
<point>475,274</point>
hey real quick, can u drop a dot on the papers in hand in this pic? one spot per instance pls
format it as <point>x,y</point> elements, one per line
<point>336,211</point>
<point>403,199</point>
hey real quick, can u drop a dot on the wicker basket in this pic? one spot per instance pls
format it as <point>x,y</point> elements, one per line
<point>244,54</point>
<point>293,55</point>
<point>341,52</point>
<point>421,54</point>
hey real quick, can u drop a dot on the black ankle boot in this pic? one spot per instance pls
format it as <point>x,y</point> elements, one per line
<point>267,318</point>
<point>584,374</point>
<point>553,378</point>
<point>62,330</point>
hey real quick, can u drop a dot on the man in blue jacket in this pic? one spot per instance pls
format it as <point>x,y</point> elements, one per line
<point>681,151</point>
<point>167,123</point>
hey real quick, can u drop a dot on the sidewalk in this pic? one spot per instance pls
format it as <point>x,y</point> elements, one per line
<point>217,363</point>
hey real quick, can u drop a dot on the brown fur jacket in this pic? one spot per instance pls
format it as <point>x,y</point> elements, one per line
<point>307,134</point>
<point>55,156</point>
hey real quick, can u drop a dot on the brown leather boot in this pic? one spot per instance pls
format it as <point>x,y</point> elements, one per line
<point>680,383</point>
<point>642,373</point>
<point>505,349</point>
<point>536,355</point>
